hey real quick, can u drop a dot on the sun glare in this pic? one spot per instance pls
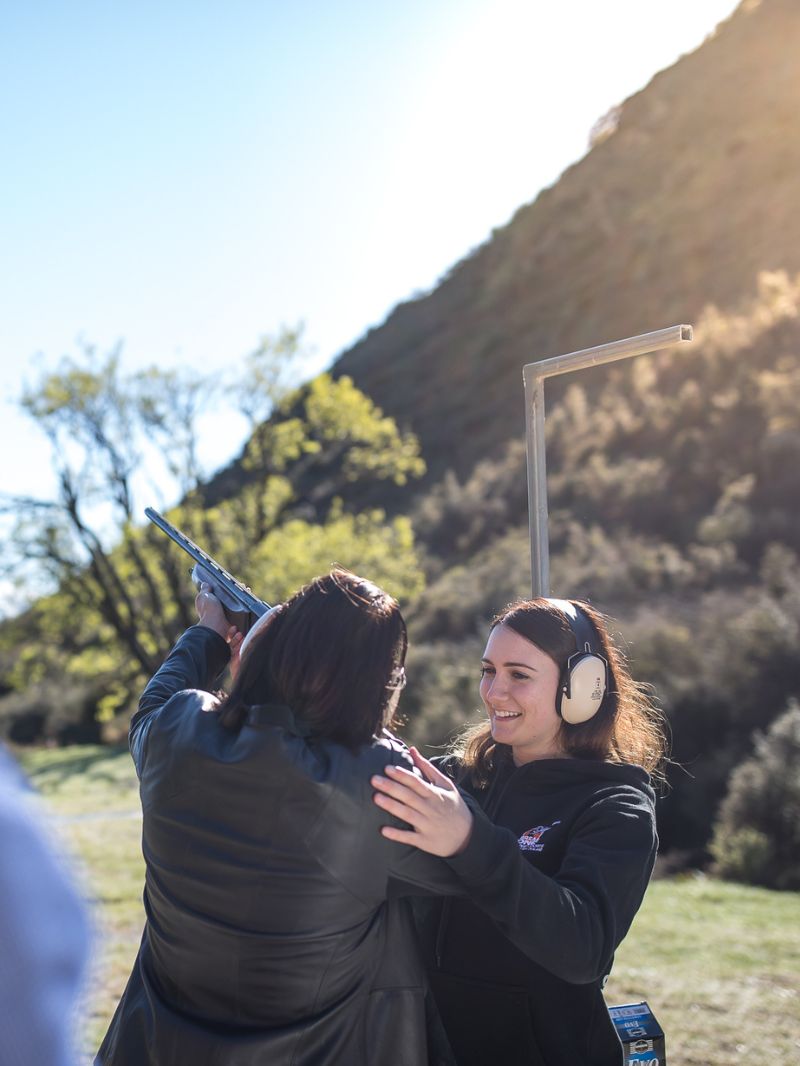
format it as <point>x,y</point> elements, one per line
<point>513,98</point>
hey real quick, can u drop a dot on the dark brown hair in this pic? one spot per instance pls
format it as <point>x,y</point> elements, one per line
<point>332,654</point>
<point>627,727</point>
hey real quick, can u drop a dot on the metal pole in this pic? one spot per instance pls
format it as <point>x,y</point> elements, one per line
<point>534,376</point>
<point>537,485</point>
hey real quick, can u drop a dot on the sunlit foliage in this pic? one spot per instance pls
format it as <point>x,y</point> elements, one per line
<point>120,592</point>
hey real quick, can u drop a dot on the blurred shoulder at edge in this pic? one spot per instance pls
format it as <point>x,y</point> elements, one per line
<point>44,932</point>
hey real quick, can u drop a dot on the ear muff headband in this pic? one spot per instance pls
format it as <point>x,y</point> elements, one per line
<point>584,679</point>
<point>256,627</point>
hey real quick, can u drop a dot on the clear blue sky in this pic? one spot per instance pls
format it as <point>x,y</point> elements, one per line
<point>186,176</point>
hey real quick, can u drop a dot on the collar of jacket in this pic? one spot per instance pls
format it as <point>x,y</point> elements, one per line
<point>277,714</point>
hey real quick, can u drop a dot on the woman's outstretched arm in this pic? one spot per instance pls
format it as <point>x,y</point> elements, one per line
<point>197,659</point>
<point>570,923</point>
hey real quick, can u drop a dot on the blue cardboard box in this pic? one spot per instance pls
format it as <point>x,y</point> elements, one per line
<point>641,1035</point>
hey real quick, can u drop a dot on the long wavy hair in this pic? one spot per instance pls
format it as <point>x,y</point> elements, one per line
<point>627,727</point>
<point>333,654</point>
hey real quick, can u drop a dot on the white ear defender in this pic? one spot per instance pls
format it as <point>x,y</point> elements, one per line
<point>584,679</point>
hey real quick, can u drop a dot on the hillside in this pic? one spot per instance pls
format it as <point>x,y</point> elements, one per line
<point>681,206</point>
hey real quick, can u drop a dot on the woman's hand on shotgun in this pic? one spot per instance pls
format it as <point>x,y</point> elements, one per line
<point>211,614</point>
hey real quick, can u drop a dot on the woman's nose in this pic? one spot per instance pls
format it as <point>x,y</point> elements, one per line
<point>498,689</point>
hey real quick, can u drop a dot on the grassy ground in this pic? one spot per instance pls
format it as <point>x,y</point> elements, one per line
<point>718,963</point>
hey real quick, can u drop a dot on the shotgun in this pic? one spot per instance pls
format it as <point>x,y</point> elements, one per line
<point>241,607</point>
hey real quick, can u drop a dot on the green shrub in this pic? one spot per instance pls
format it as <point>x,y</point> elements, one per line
<point>742,854</point>
<point>757,834</point>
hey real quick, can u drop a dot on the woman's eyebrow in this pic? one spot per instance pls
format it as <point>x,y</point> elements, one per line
<point>525,666</point>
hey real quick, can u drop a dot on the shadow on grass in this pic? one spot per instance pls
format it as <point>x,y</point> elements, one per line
<point>60,770</point>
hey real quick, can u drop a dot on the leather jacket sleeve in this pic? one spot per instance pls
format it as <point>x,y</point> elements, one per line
<point>571,923</point>
<point>413,872</point>
<point>195,662</point>
<point>373,868</point>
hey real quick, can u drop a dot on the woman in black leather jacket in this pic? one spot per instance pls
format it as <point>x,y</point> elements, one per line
<point>274,932</point>
<point>552,836</point>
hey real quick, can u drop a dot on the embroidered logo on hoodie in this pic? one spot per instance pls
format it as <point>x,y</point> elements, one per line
<point>531,839</point>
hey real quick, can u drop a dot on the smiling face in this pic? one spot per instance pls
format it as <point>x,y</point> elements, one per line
<point>519,683</point>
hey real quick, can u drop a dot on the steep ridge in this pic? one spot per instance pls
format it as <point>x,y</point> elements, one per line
<point>693,193</point>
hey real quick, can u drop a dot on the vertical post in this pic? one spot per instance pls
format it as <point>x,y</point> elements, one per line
<point>534,376</point>
<point>537,484</point>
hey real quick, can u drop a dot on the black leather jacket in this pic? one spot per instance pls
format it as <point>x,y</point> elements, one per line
<point>275,930</point>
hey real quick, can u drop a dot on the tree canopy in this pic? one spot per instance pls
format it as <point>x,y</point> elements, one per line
<point>117,590</point>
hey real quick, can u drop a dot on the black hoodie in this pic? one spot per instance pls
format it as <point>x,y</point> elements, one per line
<point>558,862</point>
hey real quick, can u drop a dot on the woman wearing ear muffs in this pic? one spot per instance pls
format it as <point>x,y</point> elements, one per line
<point>546,815</point>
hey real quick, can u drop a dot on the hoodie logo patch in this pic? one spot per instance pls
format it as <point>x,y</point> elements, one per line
<point>531,839</point>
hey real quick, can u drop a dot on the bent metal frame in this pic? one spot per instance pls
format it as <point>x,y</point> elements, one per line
<point>534,376</point>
